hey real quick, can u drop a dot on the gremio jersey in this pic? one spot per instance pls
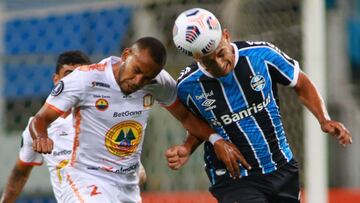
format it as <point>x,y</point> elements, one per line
<point>109,125</point>
<point>61,131</point>
<point>242,106</point>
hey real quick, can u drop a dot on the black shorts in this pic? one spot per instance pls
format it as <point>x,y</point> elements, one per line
<point>280,186</point>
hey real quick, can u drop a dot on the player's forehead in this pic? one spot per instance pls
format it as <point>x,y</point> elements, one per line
<point>215,53</point>
<point>65,67</point>
<point>144,61</point>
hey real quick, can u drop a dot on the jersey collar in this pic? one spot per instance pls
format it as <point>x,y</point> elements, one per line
<point>110,73</point>
<point>236,50</point>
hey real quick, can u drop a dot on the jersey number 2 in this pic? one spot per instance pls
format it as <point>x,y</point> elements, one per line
<point>94,190</point>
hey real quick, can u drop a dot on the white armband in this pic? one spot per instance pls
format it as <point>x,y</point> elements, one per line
<point>214,137</point>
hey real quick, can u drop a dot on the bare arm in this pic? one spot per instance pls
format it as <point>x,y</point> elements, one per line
<point>190,122</point>
<point>192,143</point>
<point>312,99</point>
<point>38,129</point>
<point>18,178</point>
<point>198,131</point>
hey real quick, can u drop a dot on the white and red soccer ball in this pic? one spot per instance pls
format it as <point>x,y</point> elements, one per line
<point>197,32</point>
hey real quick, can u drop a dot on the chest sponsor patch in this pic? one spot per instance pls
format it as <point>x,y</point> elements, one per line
<point>58,88</point>
<point>124,138</point>
<point>101,104</point>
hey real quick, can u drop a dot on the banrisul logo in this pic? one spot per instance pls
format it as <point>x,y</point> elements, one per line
<point>253,109</point>
<point>257,83</point>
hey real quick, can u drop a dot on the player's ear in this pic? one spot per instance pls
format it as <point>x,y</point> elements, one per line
<point>226,34</point>
<point>56,78</point>
<point>125,53</point>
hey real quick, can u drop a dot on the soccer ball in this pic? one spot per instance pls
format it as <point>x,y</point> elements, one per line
<point>197,32</point>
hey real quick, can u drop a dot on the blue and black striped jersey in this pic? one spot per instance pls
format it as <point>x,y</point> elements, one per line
<point>243,105</point>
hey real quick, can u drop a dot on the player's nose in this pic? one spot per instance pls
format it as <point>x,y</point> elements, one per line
<point>139,80</point>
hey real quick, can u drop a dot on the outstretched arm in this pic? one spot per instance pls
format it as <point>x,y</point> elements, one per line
<point>38,129</point>
<point>312,99</point>
<point>18,178</point>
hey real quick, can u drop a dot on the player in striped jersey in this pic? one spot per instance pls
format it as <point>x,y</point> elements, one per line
<point>234,88</point>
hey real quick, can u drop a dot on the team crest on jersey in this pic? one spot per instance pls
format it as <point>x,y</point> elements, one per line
<point>58,88</point>
<point>257,83</point>
<point>124,138</point>
<point>101,104</point>
<point>148,101</point>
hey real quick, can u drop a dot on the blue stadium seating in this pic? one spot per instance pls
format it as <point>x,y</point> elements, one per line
<point>94,32</point>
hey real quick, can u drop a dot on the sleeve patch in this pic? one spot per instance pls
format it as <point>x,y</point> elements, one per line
<point>58,88</point>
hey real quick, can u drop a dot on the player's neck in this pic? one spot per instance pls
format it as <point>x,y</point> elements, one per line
<point>116,72</point>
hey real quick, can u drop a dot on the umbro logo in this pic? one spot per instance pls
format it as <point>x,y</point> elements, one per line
<point>208,102</point>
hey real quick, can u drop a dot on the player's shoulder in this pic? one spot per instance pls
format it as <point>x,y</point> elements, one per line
<point>187,72</point>
<point>241,45</point>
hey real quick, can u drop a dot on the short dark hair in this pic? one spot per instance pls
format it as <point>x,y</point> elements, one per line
<point>71,58</point>
<point>155,47</point>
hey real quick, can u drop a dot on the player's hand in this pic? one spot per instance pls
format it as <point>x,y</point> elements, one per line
<point>337,130</point>
<point>43,145</point>
<point>229,154</point>
<point>177,156</point>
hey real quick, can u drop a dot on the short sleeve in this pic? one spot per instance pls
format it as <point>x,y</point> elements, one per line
<point>164,89</point>
<point>27,155</point>
<point>282,68</point>
<point>68,92</point>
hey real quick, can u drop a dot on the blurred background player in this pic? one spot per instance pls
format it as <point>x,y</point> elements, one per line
<point>112,100</point>
<point>61,130</point>
<point>232,85</point>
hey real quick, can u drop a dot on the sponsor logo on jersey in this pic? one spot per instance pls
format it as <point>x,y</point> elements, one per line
<point>124,138</point>
<point>148,101</point>
<point>270,45</point>
<point>257,83</point>
<point>59,87</point>
<point>63,133</point>
<point>127,113</point>
<point>122,170</point>
<point>208,102</point>
<point>101,96</point>
<point>100,84</point>
<point>204,95</point>
<point>101,104</point>
<point>61,153</point>
<point>254,108</point>
<point>98,66</point>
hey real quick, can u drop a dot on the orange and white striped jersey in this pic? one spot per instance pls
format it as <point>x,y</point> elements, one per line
<point>61,131</point>
<point>109,125</point>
